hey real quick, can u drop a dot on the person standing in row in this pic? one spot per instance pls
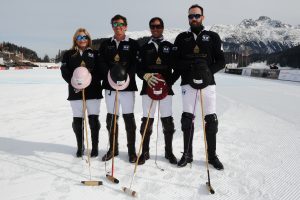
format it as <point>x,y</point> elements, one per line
<point>82,54</point>
<point>120,50</point>
<point>200,57</point>
<point>157,57</point>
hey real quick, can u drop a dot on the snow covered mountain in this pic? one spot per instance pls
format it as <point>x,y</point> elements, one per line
<point>263,35</point>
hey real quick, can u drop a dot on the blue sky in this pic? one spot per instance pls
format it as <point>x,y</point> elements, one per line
<point>48,25</point>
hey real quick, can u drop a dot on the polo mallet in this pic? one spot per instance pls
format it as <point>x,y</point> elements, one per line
<point>110,128</point>
<point>158,110</point>
<point>209,187</point>
<point>129,191</point>
<point>108,176</point>
<point>90,182</point>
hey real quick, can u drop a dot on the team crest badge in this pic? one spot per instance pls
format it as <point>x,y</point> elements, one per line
<point>196,49</point>
<point>117,58</point>
<point>158,61</point>
<point>205,38</point>
<point>166,49</point>
<point>126,47</point>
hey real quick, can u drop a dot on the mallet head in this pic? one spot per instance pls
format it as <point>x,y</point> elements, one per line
<point>129,192</point>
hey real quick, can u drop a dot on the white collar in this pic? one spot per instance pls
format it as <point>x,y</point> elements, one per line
<point>81,51</point>
<point>154,43</point>
<point>118,42</point>
<point>194,34</point>
<point>114,39</point>
<point>151,41</point>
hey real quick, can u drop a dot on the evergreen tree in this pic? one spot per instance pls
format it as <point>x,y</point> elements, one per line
<point>46,58</point>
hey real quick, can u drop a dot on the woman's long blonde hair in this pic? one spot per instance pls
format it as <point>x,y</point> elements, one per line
<point>75,47</point>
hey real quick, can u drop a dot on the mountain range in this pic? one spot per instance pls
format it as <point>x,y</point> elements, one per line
<point>260,37</point>
<point>263,35</point>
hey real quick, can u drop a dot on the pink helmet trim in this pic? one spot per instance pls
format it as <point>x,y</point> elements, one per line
<point>120,85</point>
<point>81,78</point>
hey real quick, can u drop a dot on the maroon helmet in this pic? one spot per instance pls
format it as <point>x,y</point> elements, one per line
<point>160,90</point>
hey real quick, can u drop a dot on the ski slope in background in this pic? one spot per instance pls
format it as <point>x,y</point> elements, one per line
<point>258,143</point>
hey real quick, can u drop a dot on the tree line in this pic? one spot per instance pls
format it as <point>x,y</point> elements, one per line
<point>26,53</point>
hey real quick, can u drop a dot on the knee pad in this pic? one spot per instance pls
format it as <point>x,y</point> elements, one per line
<point>211,124</point>
<point>186,121</point>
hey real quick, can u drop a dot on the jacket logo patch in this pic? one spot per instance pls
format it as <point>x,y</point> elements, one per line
<point>166,49</point>
<point>205,38</point>
<point>91,55</point>
<point>126,47</point>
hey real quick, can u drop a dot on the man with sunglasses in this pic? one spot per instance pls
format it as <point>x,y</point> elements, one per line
<point>200,57</point>
<point>121,50</point>
<point>157,56</point>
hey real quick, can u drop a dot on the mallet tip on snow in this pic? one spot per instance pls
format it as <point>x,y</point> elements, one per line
<point>129,192</point>
<point>92,183</point>
<point>112,179</point>
<point>210,189</point>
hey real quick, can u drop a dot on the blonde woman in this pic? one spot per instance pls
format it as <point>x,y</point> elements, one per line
<point>82,54</point>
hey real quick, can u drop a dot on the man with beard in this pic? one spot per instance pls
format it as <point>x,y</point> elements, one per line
<point>200,57</point>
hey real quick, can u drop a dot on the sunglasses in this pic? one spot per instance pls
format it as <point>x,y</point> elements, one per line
<point>196,16</point>
<point>118,24</point>
<point>82,37</point>
<point>158,26</point>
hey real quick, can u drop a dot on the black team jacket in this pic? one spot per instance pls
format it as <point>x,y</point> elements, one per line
<point>207,45</point>
<point>157,57</point>
<point>71,60</point>
<point>126,54</point>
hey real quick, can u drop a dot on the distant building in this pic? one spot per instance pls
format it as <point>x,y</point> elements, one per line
<point>48,65</point>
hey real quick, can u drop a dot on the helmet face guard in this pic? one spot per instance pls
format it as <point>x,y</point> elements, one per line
<point>117,77</point>
<point>159,91</point>
<point>81,78</point>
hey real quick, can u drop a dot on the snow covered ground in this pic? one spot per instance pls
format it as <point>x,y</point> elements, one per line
<point>263,65</point>
<point>258,143</point>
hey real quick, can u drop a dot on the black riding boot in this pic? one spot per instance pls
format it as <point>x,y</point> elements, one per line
<point>95,127</point>
<point>78,130</point>
<point>145,152</point>
<point>187,127</point>
<point>110,128</point>
<point>211,128</point>
<point>168,130</point>
<point>130,127</point>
